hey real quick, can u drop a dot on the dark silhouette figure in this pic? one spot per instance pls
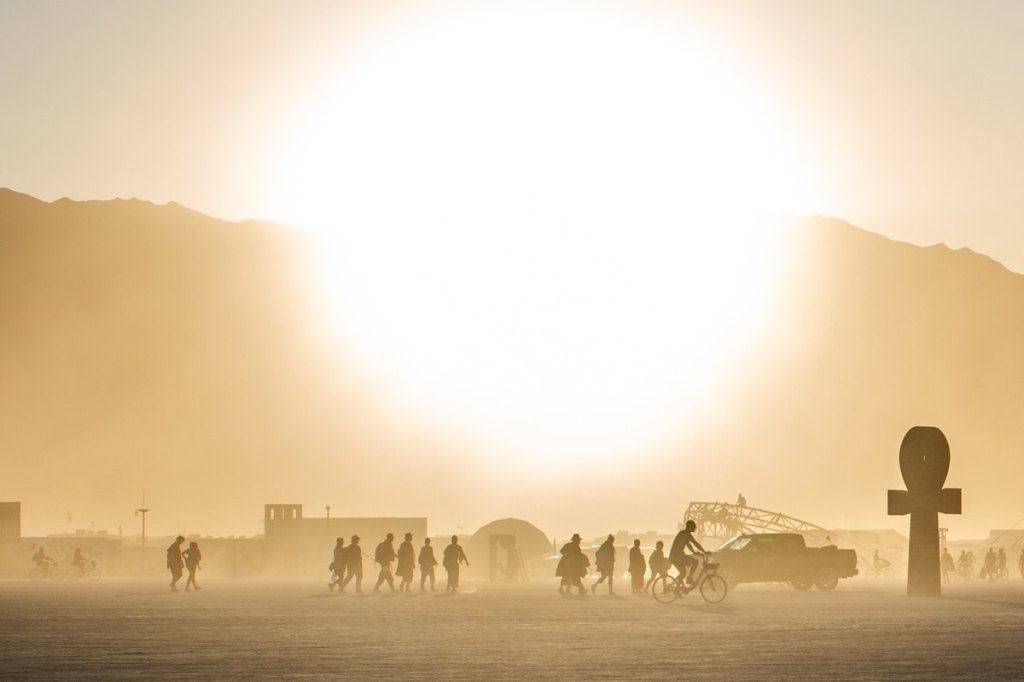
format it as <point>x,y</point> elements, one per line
<point>42,561</point>
<point>406,563</point>
<point>78,560</point>
<point>963,564</point>
<point>658,563</point>
<point>572,566</point>
<point>947,565</point>
<point>604,561</point>
<point>427,563</point>
<point>337,566</point>
<point>1001,571</point>
<point>384,555</point>
<point>353,560</point>
<point>453,556</point>
<point>988,568</point>
<point>637,568</point>
<point>686,565</point>
<point>175,562</point>
<point>192,557</point>
<point>741,501</point>
<point>924,463</point>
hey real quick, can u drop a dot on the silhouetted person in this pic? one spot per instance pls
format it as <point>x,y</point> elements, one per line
<point>637,568</point>
<point>406,563</point>
<point>42,561</point>
<point>963,565</point>
<point>384,555</point>
<point>572,566</point>
<point>741,501</point>
<point>604,560</point>
<point>175,562</point>
<point>988,569</point>
<point>879,563</point>
<point>337,564</point>
<point>1001,564</point>
<point>192,557</point>
<point>972,561</point>
<point>453,556</point>
<point>947,565</point>
<point>677,555</point>
<point>658,563</point>
<point>78,560</point>
<point>1020,563</point>
<point>427,563</point>
<point>353,559</point>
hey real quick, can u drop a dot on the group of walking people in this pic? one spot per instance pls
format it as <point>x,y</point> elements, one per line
<point>348,564</point>
<point>574,564</point>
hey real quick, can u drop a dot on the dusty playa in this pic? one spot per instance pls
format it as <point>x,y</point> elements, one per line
<point>132,629</point>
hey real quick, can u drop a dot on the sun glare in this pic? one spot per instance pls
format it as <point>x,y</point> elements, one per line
<point>538,224</point>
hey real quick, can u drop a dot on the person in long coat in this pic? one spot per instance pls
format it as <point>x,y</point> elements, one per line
<point>637,568</point>
<point>406,563</point>
<point>572,566</point>
<point>427,563</point>
<point>605,560</point>
<point>453,556</point>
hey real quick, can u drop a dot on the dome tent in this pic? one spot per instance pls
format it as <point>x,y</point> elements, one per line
<point>488,548</point>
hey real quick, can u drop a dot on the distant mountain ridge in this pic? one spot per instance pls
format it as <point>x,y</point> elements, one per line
<point>145,343</point>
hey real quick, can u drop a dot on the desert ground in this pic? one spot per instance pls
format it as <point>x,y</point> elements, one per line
<point>136,629</point>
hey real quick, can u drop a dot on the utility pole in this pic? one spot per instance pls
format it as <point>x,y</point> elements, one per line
<point>143,510</point>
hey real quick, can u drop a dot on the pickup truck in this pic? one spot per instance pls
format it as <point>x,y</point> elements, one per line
<point>783,557</point>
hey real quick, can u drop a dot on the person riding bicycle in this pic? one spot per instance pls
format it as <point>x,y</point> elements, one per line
<point>41,560</point>
<point>79,561</point>
<point>879,563</point>
<point>677,555</point>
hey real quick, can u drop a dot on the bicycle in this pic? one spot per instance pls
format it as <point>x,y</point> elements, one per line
<point>89,571</point>
<point>666,588</point>
<point>37,573</point>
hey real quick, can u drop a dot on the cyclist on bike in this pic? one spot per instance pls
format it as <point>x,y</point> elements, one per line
<point>677,555</point>
<point>41,560</point>
<point>78,561</point>
<point>879,563</point>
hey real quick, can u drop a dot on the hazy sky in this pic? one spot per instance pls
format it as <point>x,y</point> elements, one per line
<point>534,211</point>
<point>902,117</point>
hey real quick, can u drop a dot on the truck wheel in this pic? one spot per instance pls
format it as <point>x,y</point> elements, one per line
<point>802,585</point>
<point>827,579</point>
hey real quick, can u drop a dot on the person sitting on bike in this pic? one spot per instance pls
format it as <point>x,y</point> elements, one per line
<point>677,555</point>
<point>41,560</point>
<point>78,561</point>
<point>879,563</point>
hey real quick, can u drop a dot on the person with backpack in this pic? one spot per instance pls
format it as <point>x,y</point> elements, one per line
<point>605,564</point>
<point>384,555</point>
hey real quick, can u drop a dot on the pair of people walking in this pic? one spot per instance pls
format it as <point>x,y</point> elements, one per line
<point>178,560</point>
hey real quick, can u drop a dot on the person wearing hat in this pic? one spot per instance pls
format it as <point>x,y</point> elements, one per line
<point>353,560</point>
<point>572,566</point>
<point>175,562</point>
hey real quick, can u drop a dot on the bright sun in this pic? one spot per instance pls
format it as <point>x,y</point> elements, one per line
<point>537,223</point>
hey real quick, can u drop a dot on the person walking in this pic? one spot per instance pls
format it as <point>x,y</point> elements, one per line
<point>572,566</point>
<point>427,563</point>
<point>658,563</point>
<point>605,564</point>
<point>637,568</point>
<point>384,555</point>
<point>453,556</point>
<point>352,558</point>
<point>337,565</point>
<point>175,562</point>
<point>406,562</point>
<point>192,557</point>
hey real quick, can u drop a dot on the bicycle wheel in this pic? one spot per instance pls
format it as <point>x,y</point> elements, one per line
<point>665,589</point>
<point>93,574</point>
<point>36,574</point>
<point>713,588</point>
<point>56,574</point>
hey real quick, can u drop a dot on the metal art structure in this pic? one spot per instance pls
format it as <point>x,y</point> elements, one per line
<point>722,520</point>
